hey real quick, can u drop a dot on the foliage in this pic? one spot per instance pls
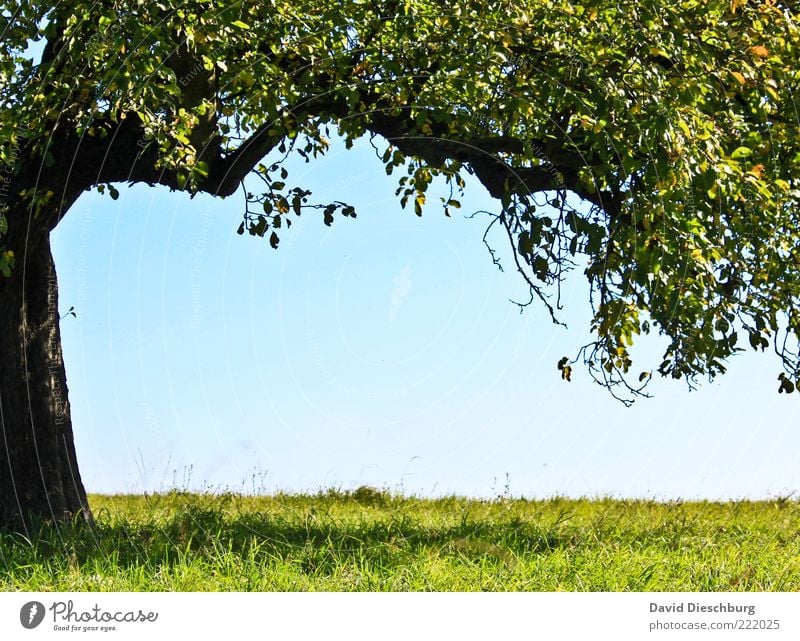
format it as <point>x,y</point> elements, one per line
<point>334,541</point>
<point>673,122</point>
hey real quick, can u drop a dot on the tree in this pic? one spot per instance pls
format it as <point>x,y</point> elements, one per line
<point>674,123</point>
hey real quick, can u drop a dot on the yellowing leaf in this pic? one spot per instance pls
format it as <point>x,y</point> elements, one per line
<point>759,51</point>
<point>741,152</point>
<point>739,77</point>
<point>772,93</point>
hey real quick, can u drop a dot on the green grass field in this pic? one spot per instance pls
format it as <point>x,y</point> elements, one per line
<point>370,540</point>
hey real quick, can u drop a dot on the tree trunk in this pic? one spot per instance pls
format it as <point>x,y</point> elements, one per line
<point>39,479</point>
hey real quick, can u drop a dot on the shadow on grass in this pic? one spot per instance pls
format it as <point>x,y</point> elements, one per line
<point>375,531</point>
<point>367,539</point>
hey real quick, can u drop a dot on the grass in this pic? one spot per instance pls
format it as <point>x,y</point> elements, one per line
<point>371,540</point>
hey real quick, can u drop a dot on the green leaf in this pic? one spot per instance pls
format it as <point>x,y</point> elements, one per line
<point>259,228</point>
<point>6,262</point>
<point>741,152</point>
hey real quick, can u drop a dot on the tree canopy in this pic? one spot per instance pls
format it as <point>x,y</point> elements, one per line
<point>674,123</point>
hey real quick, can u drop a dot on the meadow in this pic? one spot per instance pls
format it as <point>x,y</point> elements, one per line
<point>372,540</point>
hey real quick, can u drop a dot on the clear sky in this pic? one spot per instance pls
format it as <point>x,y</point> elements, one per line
<point>380,351</point>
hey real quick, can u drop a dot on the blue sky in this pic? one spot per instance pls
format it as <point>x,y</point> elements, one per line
<point>379,351</point>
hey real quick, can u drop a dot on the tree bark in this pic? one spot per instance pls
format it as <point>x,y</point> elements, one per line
<point>39,478</point>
